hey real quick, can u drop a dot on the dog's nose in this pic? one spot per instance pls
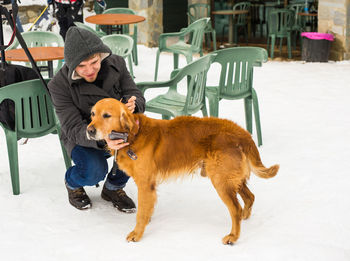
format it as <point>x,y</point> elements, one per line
<point>91,131</point>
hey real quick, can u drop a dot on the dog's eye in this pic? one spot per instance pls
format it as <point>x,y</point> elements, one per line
<point>92,113</point>
<point>106,115</point>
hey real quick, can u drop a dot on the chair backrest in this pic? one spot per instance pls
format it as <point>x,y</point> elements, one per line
<point>280,21</point>
<point>41,38</point>
<point>197,11</point>
<point>88,28</point>
<point>241,19</point>
<point>122,10</point>
<point>196,30</point>
<point>196,73</point>
<point>119,44</point>
<point>236,74</point>
<point>34,112</point>
<point>297,8</point>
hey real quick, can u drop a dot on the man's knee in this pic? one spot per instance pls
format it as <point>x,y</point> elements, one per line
<point>95,172</point>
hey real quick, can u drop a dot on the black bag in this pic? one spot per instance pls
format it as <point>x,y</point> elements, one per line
<point>14,73</point>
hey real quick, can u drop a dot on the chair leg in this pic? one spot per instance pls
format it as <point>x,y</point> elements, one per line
<point>176,60</point>
<point>235,40</point>
<point>157,62</point>
<point>213,101</point>
<point>204,109</point>
<point>289,47</point>
<point>213,33</point>
<point>257,116</point>
<point>67,159</point>
<point>222,35</point>
<point>267,45</point>
<point>12,151</point>
<point>248,114</point>
<point>130,66</point>
<point>134,53</point>
<point>189,58</point>
<point>273,39</point>
<point>207,40</point>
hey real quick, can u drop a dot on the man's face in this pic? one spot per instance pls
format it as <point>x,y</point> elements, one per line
<point>89,68</point>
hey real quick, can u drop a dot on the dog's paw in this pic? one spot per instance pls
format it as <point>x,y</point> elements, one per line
<point>229,239</point>
<point>134,237</point>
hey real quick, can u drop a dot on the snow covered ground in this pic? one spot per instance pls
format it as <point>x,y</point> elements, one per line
<point>301,214</point>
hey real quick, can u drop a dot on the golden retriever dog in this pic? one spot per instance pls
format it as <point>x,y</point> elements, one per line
<point>223,151</point>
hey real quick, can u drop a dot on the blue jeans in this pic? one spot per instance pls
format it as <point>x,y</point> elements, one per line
<point>91,167</point>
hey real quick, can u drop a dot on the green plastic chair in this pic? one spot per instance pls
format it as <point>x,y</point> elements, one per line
<point>197,11</point>
<point>186,42</point>
<point>236,82</point>
<point>172,103</point>
<point>299,23</point>
<point>240,21</point>
<point>34,117</point>
<point>41,38</point>
<point>280,23</point>
<point>88,28</point>
<point>126,28</point>
<point>110,4</point>
<point>121,45</point>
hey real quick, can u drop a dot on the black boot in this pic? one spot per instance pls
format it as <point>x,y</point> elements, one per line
<point>78,198</point>
<point>119,199</point>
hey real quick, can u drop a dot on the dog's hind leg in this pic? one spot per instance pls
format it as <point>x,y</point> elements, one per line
<point>229,197</point>
<point>227,192</point>
<point>248,199</point>
<point>227,170</point>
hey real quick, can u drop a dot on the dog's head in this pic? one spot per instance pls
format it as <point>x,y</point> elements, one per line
<point>109,115</point>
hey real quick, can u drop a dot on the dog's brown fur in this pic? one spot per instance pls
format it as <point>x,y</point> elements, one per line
<point>224,151</point>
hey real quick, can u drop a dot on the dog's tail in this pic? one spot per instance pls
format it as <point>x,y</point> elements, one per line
<point>255,163</point>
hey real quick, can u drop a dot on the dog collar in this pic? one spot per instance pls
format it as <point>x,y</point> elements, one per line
<point>132,155</point>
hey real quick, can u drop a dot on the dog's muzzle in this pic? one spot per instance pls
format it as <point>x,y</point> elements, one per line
<point>91,132</point>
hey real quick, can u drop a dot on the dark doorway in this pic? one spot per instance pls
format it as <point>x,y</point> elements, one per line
<point>174,15</point>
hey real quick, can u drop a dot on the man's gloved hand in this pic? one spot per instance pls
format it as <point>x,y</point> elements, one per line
<point>102,4</point>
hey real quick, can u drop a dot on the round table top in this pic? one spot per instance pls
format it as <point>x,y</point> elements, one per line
<point>230,12</point>
<point>42,53</point>
<point>114,19</point>
<point>307,14</point>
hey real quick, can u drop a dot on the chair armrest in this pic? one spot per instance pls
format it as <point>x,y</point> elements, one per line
<point>163,37</point>
<point>143,86</point>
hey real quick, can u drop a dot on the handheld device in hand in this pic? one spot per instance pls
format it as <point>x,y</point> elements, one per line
<point>118,136</point>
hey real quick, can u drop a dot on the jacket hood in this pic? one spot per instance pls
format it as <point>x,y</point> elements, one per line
<point>79,45</point>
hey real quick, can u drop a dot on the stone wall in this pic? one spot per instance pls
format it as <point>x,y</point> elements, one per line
<point>149,30</point>
<point>334,18</point>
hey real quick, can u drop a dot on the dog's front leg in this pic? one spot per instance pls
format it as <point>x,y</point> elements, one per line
<point>146,199</point>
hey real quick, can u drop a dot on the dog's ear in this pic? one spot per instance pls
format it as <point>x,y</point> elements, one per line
<point>128,123</point>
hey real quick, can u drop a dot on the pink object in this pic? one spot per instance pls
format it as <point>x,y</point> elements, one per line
<point>318,36</point>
